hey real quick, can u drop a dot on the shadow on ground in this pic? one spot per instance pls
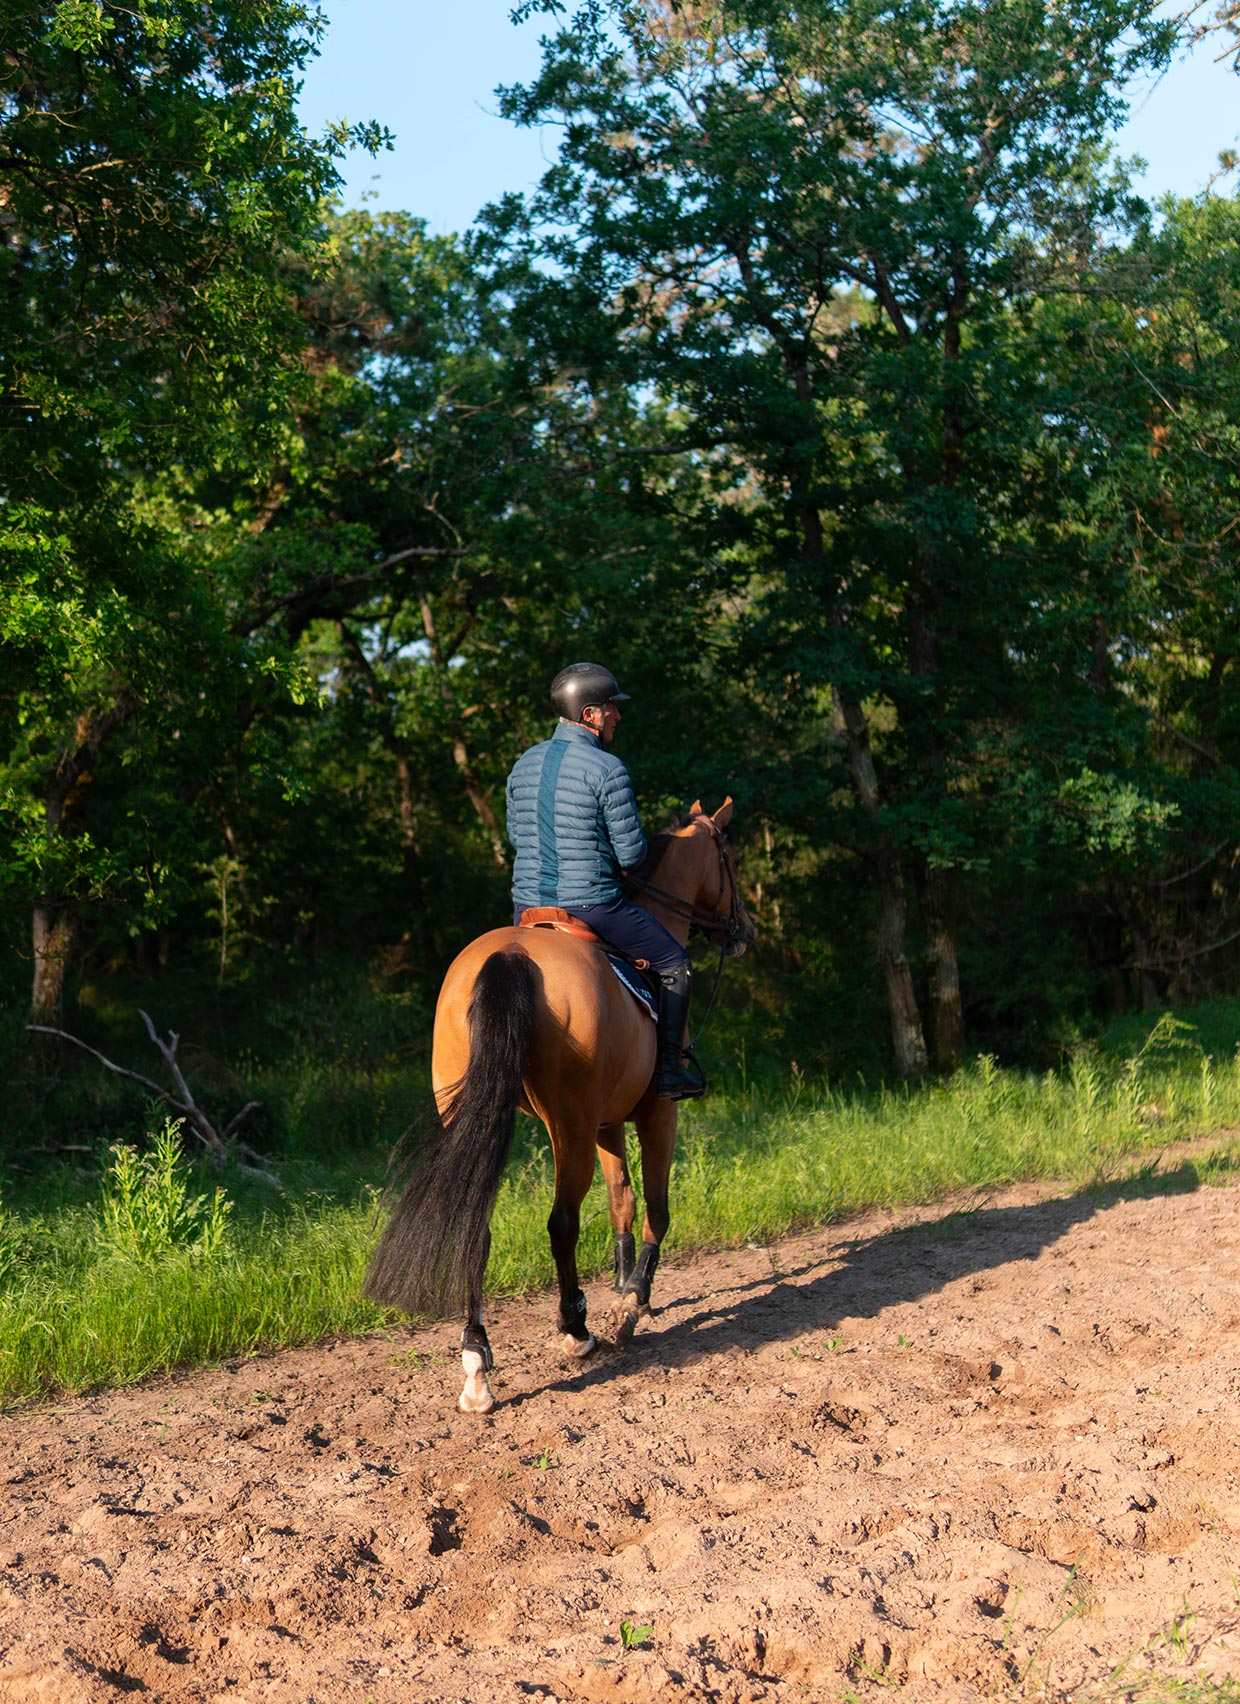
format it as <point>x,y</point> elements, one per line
<point>859,1276</point>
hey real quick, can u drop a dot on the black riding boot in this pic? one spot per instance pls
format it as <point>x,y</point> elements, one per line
<point>678,1076</point>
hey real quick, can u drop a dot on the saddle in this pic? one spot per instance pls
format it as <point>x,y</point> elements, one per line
<point>552,917</point>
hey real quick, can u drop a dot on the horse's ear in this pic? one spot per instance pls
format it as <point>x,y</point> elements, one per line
<point>695,809</point>
<point>723,815</point>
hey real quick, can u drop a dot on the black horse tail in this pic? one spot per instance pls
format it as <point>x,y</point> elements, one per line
<point>433,1251</point>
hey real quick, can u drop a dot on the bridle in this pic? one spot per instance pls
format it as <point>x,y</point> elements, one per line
<point>725,928</point>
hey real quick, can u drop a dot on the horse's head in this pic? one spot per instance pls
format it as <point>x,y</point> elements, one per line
<point>722,917</point>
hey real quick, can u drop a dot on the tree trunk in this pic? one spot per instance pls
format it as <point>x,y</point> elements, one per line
<point>1150,997</point>
<point>476,794</point>
<point>936,886</point>
<point>406,792</point>
<point>55,924</point>
<point>54,934</point>
<point>474,790</point>
<point>945,1013</point>
<point>907,1035</point>
<point>908,1041</point>
<point>410,856</point>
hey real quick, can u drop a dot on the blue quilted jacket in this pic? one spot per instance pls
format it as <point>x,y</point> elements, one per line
<point>573,820</point>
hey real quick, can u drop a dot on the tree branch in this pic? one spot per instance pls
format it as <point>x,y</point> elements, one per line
<point>215,1144</point>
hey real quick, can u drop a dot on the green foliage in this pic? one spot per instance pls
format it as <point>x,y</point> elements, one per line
<point>150,1206</point>
<point>80,25</point>
<point>833,386</point>
<point>881,269</point>
<point>155,180</point>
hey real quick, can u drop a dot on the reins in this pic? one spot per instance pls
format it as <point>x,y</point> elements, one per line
<point>728,927</point>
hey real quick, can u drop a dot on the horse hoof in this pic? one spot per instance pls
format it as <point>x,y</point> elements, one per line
<point>577,1348</point>
<point>476,1397</point>
<point>626,1325</point>
<point>624,1320</point>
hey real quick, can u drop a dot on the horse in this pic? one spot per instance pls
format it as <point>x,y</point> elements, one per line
<point>536,1020</point>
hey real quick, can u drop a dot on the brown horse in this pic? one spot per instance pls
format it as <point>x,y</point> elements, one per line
<point>536,1019</point>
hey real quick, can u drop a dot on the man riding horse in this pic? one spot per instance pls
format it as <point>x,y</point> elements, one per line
<point>535,1020</point>
<point>573,821</point>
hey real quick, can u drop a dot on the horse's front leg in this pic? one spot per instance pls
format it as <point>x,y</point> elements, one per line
<point>621,1200</point>
<point>656,1132</point>
<point>476,1357</point>
<point>574,1167</point>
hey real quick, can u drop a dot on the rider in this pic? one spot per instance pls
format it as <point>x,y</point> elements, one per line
<point>573,820</point>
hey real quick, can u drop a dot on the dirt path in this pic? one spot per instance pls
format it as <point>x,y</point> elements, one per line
<point>990,1453</point>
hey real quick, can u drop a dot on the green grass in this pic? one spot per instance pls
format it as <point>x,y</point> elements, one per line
<point>75,1314</point>
<point>135,1266</point>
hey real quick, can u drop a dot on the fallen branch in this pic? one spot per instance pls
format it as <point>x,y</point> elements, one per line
<point>218,1145</point>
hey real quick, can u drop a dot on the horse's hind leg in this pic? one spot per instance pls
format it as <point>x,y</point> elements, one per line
<point>656,1132</point>
<point>621,1201</point>
<point>574,1167</point>
<point>476,1357</point>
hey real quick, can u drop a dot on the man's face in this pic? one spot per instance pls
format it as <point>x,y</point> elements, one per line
<point>604,722</point>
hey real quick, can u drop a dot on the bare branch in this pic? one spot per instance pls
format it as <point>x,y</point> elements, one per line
<point>1183,958</point>
<point>1184,739</point>
<point>169,1051</point>
<point>234,1122</point>
<point>188,1109</point>
<point>133,1076</point>
<point>415,550</point>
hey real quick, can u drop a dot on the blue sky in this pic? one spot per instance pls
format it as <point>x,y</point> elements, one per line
<point>429,71</point>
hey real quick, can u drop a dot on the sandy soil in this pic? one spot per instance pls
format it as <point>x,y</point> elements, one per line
<point>987,1450</point>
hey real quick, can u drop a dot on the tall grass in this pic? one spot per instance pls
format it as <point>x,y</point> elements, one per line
<point>156,1268</point>
<point>80,1309</point>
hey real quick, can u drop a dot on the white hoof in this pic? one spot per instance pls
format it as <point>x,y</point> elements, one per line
<point>577,1348</point>
<point>476,1397</point>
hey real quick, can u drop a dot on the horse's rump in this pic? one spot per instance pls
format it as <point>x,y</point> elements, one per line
<point>591,1049</point>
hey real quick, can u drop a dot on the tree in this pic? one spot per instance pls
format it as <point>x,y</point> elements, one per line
<point>152,176</point>
<point>451,511</point>
<point>819,232</point>
<point>344,639</point>
<point>1156,373</point>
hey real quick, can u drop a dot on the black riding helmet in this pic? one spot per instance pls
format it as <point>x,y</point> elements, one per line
<point>583,684</point>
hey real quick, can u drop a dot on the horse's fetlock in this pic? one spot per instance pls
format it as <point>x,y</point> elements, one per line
<point>572,1317</point>
<point>474,1338</point>
<point>643,1274</point>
